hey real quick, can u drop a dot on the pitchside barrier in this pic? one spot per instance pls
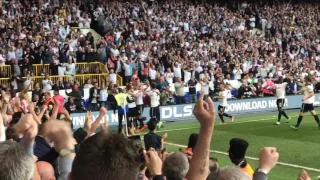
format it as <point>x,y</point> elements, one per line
<point>183,112</point>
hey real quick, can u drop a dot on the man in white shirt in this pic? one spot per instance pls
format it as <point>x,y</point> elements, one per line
<point>263,71</point>
<point>177,70</point>
<point>223,103</point>
<point>179,89</point>
<point>154,108</point>
<point>237,72</point>
<point>127,71</point>
<point>280,88</point>
<point>169,76</point>
<point>307,103</point>
<point>152,73</point>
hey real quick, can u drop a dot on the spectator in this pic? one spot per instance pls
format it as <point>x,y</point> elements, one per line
<point>152,139</point>
<point>47,83</point>
<point>193,138</point>
<point>192,90</point>
<point>237,152</point>
<point>169,76</point>
<point>244,91</point>
<point>179,90</point>
<point>175,166</point>
<point>76,95</point>
<point>205,88</point>
<point>71,106</point>
<point>88,84</point>
<point>16,68</point>
<point>94,97</point>
<point>237,72</point>
<point>103,96</point>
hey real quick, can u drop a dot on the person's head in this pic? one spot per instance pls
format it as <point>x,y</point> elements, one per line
<point>152,125</point>
<point>37,86</point>
<point>71,100</point>
<point>307,79</point>
<point>153,86</point>
<point>96,86</point>
<point>99,158</point>
<point>176,166</point>
<point>232,172</point>
<point>213,164</point>
<point>75,87</point>
<point>222,86</point>
<point>47,95</point>
<point>12,133</point>
<point>45,170</point>
<point>193,138</point>
<point>237,150</point>
<point>16,163</point>
<point>56,91</point>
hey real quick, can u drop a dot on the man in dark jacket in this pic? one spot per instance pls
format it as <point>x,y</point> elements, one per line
<point>94,94</point>
<point>75,93</point>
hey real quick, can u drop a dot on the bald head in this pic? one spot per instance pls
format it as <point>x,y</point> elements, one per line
<point>45,170</point>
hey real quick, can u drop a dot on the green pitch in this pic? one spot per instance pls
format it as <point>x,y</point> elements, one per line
<point>298,149</point>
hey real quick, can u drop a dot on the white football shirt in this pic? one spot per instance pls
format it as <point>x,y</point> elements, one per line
<point>307,92</point>
<point>223,100</point>
<point>281,90</point>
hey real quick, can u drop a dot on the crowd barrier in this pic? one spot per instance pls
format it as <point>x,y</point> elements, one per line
<point>183,112</point>
<point>39,68</point>
<point>6,69</point>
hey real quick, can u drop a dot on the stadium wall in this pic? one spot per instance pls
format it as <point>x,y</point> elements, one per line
<point>184,112</point>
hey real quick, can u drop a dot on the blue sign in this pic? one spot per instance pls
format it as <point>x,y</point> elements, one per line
<point>182,112</point>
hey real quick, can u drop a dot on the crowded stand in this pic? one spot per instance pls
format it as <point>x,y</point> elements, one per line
<point>58,58</point>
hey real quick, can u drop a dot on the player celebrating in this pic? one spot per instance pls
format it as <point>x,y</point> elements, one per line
<point>280,88</point>
<point>307,103</point>
<point>223,103</point>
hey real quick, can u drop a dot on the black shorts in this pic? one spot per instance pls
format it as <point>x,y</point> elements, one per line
<point>140,109</point>
<point>221,109</point>
<point>306,107</point>
<point>132,112</point>
<point>280,103</point>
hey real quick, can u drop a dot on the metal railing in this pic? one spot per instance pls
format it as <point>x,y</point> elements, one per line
<point>6,69</point>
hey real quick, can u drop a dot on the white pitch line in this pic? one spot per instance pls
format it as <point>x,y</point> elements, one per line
<point>195,127</point>
<point>252,158</point>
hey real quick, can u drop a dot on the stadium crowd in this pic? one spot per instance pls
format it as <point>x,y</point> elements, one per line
<point>158,48</point>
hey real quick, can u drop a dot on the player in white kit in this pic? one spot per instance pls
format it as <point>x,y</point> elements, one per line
<point>223,103</point>
<point>307,103</point>
<point>280,88</point>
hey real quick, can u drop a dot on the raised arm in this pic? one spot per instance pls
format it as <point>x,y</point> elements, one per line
<point>5,102</point>
<point>96,123</point>
<point>205,114</point>
<point>34,115</point>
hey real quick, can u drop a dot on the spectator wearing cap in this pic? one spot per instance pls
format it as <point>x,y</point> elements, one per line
<point>237,153</point>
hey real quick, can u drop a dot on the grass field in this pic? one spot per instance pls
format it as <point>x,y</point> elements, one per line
<point>298,149</point>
